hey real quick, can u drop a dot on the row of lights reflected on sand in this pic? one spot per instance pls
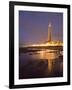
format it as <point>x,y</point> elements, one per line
<point>49,55</point>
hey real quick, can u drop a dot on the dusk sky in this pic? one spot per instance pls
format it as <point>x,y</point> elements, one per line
<point>33,26</point>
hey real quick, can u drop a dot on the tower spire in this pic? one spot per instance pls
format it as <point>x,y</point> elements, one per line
<point>49,32</point>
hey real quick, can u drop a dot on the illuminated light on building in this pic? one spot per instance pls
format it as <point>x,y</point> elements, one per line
<point>49,32</point>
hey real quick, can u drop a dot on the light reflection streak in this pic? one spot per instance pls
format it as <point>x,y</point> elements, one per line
<point>49,55</point>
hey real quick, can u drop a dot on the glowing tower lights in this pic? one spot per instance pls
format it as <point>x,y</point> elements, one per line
<point>49,32</point>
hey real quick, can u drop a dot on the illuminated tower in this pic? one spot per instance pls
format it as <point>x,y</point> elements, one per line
<point>49,32</point>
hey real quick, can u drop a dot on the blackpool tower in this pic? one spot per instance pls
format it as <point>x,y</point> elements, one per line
<point>49,32</point>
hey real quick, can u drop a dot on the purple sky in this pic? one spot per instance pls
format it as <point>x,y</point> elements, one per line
<point>33,26</point>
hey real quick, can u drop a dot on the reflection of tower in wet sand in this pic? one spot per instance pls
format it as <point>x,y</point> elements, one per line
<point>49,65</point>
